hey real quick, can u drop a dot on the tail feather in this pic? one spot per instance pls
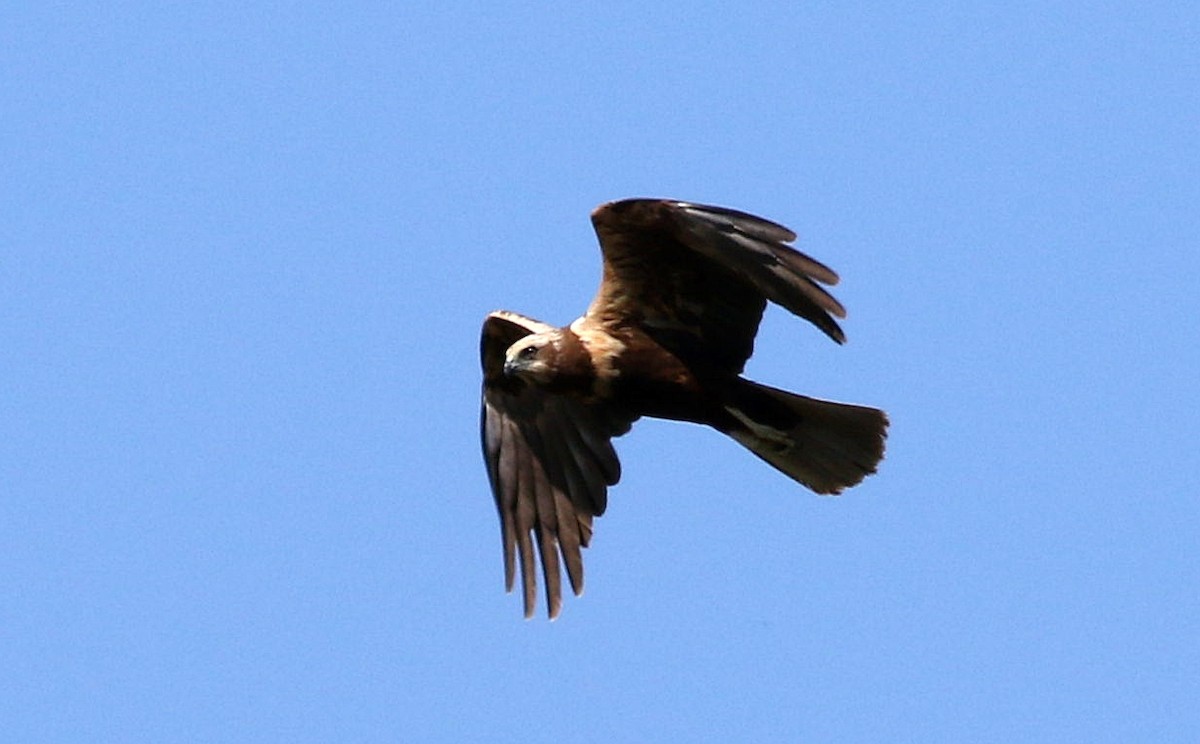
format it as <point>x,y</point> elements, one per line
<point>824,445</point>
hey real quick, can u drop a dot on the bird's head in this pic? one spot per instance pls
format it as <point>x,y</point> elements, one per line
<point>532,357</point>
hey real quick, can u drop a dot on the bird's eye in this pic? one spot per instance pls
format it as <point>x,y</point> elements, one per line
<point>528,351</point>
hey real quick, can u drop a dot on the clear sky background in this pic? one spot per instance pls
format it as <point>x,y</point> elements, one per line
<point>245,251</point>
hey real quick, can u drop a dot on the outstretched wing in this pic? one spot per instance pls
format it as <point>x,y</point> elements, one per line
<point>550,462</point>
<point>697,278</point>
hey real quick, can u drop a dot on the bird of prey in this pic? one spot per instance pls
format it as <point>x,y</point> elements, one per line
<point>667,336</point>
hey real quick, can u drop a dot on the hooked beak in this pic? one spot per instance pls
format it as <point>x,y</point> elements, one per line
<point>510,367</point>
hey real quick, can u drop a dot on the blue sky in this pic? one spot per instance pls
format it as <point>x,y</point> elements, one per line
<point>246,252</point>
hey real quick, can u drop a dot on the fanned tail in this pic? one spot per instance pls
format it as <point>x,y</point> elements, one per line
<point>824,445</point>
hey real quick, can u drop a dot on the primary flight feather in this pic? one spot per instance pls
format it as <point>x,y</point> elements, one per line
<point>667,336</point>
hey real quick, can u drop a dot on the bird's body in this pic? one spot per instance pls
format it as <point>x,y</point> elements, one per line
<point>667,336</point>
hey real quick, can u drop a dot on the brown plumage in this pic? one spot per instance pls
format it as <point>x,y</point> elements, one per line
<point>667,335</point>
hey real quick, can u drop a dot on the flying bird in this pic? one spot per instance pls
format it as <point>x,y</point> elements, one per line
<point>667,335</point>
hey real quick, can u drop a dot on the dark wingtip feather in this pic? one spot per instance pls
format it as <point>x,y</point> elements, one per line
<point>757,250</point>
<point>727,219</point>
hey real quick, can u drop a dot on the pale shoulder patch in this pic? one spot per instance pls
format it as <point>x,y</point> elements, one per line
<point>526,322</point>
<point>603,348</point>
